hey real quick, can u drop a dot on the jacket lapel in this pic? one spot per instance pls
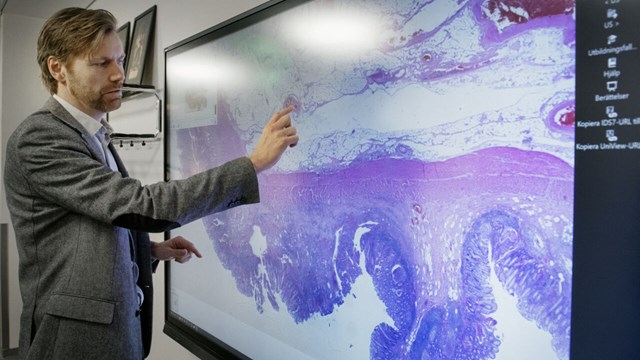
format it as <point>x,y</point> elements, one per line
<point>61,114</point>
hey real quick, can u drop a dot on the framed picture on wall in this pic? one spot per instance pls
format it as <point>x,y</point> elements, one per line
<point>140,41</point>
<point>123,33</point>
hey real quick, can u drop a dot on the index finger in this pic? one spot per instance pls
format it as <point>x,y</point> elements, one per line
<point>192,248</point>
<point>195,251</point>
<point>281,113</point>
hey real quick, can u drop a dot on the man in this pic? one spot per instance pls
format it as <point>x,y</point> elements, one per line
<point>80,222</point>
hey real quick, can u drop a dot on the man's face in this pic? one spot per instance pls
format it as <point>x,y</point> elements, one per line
<point>94,82</point>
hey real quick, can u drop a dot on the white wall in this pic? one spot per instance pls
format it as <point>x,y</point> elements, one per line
<point>21,93</point>
<point>175,21</point>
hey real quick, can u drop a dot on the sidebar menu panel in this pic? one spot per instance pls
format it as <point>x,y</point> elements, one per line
<point>606,261</point>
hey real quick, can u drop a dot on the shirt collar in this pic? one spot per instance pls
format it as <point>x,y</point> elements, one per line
<point>90,124</point>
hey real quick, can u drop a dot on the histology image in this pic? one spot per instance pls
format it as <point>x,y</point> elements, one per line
<point>427,211</point>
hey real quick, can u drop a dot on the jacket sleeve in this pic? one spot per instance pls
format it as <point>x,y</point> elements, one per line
<point>56,163</point>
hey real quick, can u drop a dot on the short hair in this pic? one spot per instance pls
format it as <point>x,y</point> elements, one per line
<point>71,32</point>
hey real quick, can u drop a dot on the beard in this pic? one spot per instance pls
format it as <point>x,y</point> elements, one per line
<point>92,99</point>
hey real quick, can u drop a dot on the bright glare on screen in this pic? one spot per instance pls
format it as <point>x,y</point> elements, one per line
<point>427,209</point>
<point>333,33</point>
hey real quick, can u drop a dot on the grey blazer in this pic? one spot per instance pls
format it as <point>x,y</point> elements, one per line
<point>80,227</point>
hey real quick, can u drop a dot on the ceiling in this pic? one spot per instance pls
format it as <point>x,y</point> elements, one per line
<point>39,8</point>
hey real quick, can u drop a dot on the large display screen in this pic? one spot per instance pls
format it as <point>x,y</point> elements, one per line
<point>427,211</point>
